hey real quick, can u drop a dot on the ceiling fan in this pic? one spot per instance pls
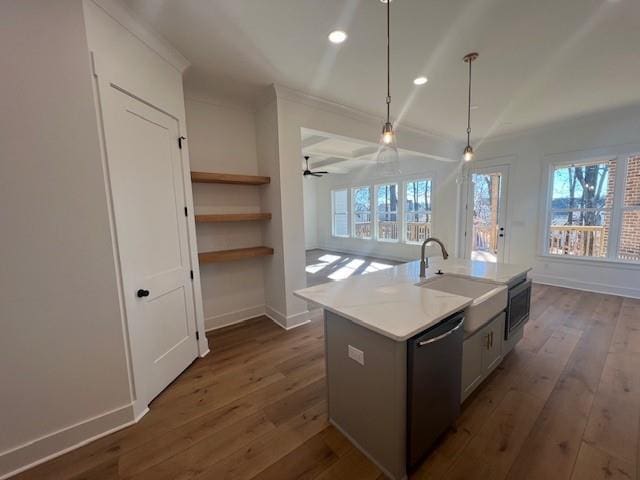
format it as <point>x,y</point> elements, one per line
<point>309,172</point>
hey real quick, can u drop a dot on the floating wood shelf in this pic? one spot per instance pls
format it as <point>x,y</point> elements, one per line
<point>232,217</point>
<point>235,254</point>
<point>207,177</point>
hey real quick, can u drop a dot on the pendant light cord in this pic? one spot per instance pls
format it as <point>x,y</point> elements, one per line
<point>388,59</point>
<point>469,107</point>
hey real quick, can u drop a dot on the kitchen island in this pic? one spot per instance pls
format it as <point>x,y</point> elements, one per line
<point>399,361</point>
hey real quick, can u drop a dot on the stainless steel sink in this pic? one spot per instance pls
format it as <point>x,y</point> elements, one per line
<point>489,299</point>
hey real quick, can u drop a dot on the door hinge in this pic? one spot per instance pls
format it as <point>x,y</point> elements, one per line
<point>180,139</point>
<point>197,335</point>
<point>186,212</point>
<point>191,274</point>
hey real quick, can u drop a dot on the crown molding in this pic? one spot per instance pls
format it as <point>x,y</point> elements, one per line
<point>128,20</point>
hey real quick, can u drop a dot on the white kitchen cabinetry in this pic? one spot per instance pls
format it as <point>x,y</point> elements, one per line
<point>481,354</point>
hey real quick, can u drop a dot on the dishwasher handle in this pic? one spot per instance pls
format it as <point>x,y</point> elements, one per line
<point>444,335</point>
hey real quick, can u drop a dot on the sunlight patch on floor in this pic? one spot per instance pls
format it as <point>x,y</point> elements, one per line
<point>346,271</point>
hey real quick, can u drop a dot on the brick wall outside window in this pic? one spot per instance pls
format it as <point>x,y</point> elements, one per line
<point>629,245</point>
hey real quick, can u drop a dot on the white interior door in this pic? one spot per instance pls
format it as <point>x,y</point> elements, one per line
<point>486,214</point>
<point>145,170</point>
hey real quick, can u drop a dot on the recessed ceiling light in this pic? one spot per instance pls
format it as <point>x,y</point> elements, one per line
<point>385,1</point>
<point>337,36</point>
<point>420,80</point>
<point>474,107</point>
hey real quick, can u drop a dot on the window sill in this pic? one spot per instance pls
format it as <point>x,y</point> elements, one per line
<point>590,261</point>
<point>340,236</point>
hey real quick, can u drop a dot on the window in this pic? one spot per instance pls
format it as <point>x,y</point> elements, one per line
<point>417,210</point>
<point>581,202</point>
<point>593,213</point>
<point>629,242</point>
<point>362,212</point>
<point>387,212</point>
<point>340,213</point>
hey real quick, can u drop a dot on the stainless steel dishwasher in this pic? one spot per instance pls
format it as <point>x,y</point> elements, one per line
<point>434,372</point>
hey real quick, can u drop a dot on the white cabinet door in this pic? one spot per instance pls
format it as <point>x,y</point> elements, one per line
<point>147,184</point>
<point>472,369</point>
<point>492,353</point>
<point>481,353</point>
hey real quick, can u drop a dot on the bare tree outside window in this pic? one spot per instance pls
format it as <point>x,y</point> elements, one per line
<point>582,198</point>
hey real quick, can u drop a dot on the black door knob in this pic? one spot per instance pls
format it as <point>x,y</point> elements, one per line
<point>142,293</point>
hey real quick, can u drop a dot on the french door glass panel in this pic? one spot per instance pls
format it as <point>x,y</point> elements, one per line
<point>486,204</point>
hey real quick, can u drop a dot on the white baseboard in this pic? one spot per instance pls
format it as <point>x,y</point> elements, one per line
<point>585,286</point>
<point>290,322</point>
<point>231,318</point>
<point>50,446</point>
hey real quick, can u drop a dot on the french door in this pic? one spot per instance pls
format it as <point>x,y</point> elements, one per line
<point>486,214</point>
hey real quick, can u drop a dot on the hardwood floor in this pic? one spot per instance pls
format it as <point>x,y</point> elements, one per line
<point>565,404</point>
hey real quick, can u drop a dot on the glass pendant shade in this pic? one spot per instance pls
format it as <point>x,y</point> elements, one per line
<point>468,153</point>
<point>387,158</point>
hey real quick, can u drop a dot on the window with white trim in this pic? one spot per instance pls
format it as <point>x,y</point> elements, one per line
<point>340,213</point>
<point>594,214</point>
<point>361,214</point>
<point>387,212</point>
<point>417,210</point>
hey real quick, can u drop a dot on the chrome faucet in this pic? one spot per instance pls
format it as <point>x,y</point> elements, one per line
<point>424,261</point>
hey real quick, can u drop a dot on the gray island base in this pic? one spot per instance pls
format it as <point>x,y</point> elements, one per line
<point>404,351</point>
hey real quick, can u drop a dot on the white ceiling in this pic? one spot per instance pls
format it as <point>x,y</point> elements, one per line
<point>540,60</point>
<point>341,154</point>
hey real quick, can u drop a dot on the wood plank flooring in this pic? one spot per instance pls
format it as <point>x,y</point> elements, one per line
<point>565,404</point>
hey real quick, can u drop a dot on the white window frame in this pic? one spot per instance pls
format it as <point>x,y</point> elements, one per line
<point>398,211</point>
<point>371,212</point>
<point>405,183</point>
<point>333,213</point>
<point>620,155</point>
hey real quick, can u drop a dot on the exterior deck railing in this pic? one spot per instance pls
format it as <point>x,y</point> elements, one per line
<point>485,238</point>
<point>578,240</point>
<point>416,232</point>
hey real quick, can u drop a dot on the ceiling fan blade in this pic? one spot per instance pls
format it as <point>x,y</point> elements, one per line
<point>316,174</point>
<point>321,172</point>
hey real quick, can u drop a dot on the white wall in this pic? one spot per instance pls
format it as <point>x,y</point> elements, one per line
<point>527,154</point>
<point>444,202</point>
<point>63,372</point>
<point>271,199</point>
<point>310,200</point>
<point>222,138</point>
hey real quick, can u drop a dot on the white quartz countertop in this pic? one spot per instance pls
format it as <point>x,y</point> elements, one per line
<point>390,303</point>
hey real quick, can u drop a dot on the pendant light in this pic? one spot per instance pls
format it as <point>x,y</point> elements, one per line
<point>468,150</point>
<point>388,158</point>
